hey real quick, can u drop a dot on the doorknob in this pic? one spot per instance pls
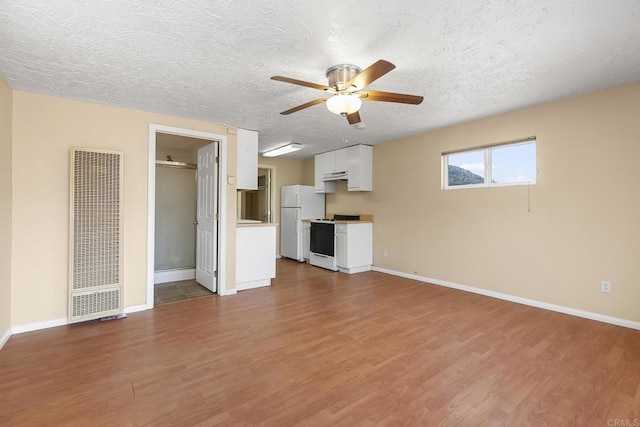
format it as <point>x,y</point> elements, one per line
<point>195,222</point>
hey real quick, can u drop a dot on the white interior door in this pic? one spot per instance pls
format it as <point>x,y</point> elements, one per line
<point>207,224</point>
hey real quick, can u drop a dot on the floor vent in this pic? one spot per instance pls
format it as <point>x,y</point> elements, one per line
<point>95,276</point>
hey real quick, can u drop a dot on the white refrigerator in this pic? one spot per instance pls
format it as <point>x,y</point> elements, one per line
<point>297,202</point>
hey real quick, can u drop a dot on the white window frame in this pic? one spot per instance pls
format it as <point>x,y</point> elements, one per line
<point>486,149</point>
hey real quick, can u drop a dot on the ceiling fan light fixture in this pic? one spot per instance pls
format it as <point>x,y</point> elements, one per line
<point>285,149</point>
<point>343,104</point>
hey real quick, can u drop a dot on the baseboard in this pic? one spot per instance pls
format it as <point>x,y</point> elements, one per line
<point>253,284</point>
<point>135,308</point>
<point>29,327</point>
<point>354,270</point>
<point>5,338</point>
<point>520,300</point>
<point>229,292</point>
<point>164,276</point>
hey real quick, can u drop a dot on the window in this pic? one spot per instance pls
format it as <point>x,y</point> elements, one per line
<point>505,164</point>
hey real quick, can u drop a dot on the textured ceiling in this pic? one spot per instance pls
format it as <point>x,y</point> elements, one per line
<point>212,60</point>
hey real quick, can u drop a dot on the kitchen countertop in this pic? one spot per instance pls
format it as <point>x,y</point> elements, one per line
<point>247,221</point>
<point>364,218</point>
<point>256,224</point>
<point>342,221</point>
<point>362,221</point>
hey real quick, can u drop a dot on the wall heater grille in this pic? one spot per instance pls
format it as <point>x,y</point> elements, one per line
<point>88,304</point>
<point>95,276</point>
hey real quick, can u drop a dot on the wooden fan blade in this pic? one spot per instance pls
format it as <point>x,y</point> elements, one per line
<point>374,95</point>
<point>353,118</point>
<point>300,82</point>
<point>371,74</point>
<point>303,106</point>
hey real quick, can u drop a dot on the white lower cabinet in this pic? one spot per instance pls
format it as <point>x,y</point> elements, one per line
<point>255,255</point>
<point>306,239</point>
<point>354,247</point>
<point>341,246</point>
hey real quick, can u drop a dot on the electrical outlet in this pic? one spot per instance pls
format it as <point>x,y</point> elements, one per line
<point>605,286</point>
<point>385,253</point>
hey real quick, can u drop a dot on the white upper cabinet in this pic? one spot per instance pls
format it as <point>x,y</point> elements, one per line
<point>247,163</point>
<point>324,164</point>
<point>360,168</point>
<point>341,160</point>
<point>353,164</point>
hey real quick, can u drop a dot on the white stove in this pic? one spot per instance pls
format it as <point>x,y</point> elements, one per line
<point>323,244</point>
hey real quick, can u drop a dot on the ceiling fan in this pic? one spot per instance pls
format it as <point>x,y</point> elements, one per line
<point>346,89</point>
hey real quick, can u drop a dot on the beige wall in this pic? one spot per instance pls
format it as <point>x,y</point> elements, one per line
<point>308,176</point>
<point>287,172</point>
<point>44,129</point>
<point>584,224</point>
<point>6,115</point>
<point>186,156</point>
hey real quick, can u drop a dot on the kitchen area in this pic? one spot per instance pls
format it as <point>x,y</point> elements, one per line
<point>336,242</point>
<point>302,229</point>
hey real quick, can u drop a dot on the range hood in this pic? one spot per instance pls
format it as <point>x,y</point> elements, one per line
<point>335,176</point>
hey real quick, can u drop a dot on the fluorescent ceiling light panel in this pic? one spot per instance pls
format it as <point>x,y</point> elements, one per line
<point>285,149</point>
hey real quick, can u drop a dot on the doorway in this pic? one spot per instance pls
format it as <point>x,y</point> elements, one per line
<point>175,231</point>
<point>175,210</point>
<point>183,141</point>
<point>185,218</point>
<point>257,204</point>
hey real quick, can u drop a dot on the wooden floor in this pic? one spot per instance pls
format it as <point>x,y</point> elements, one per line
<point>326,349</point>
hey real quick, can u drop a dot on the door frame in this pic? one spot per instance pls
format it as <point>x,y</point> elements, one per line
<point>222,203</point>
<point>275,207</point>
<point>271,199</point>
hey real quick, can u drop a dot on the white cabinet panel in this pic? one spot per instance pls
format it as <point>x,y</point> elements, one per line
<point>324,163</point>
<point>341,246</point>
<point>255,256</point>
<point>360,168</point>
<point>354,247</point>
<point>341,160</point>
<point>247,160</point>
<point>306,239</point>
